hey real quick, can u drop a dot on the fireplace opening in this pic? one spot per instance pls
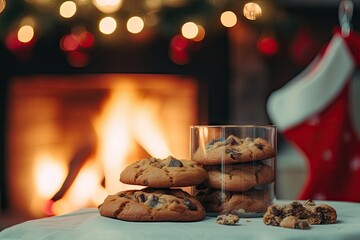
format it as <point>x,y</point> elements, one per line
<point>70,136</point>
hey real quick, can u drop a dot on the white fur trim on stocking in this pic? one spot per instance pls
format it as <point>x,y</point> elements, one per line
<point>313,89</point>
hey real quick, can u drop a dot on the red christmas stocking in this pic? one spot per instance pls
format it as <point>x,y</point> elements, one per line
<point>312,111</point>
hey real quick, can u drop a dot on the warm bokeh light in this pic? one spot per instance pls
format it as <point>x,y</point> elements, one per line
<point>190,30</point>
<point>2,5</point>
<point>178,52</point>
<point>135,24</point>
<point>108,6</point>
<point>67,9</point>
<point>228,19</point>
<point>107,25</point>
<point>74,41</point>
<point>153,4</point>
<point>179,42</point>
<point>69,43</point>
<point>201,34</point>
<point>151,19</point>
<point>28,20</point>
<point>252,11</point>
<point>85,39</point>
<point>25,33</point>
<point>268,45</point>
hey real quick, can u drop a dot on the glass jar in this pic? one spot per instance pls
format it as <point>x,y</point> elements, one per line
<point>240,161</point>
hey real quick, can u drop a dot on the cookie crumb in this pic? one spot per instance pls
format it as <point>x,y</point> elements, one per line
<point>227,219</point>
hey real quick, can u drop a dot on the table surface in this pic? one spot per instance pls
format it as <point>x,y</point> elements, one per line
<point>88,224</point>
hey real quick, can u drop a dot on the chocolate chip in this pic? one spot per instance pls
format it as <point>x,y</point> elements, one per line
<point>123,195</point>
<point>141,198</point>
<point>275,211</point>
<point>175,163</point>
<point>260,146</point>
<point>154,201</point>
<point>191,206</point>
<point>231,141</point>
<point>234,154</point>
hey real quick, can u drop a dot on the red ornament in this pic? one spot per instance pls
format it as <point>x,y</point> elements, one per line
<point>85,39</point>
<point>179,42</point>
<point>69,43</point>
<point>268,45</point>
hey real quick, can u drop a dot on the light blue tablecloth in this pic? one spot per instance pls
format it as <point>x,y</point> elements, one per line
<point>87,224</point>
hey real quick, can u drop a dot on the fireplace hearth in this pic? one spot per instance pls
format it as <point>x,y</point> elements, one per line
<point>69,137</point>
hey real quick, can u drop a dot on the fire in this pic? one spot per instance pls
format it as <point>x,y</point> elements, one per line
<point>148,130</point>
<point>127,119</point>
<point>49,174</point>
<point>140,117</point>
<point>113,130</point>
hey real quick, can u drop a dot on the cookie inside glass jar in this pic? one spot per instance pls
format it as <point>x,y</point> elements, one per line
<point>240,162</point>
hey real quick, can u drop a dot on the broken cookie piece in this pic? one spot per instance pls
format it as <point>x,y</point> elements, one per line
<point>227,219</point>
<point>313,213</point>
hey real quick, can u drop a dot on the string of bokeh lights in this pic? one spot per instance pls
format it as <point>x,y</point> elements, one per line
<point>80,39</point>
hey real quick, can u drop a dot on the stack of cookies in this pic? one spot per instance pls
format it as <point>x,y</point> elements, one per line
<point>161,199</point>
<point>238,175</point>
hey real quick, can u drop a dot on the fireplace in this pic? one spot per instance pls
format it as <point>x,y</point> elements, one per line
<point>69,136</point>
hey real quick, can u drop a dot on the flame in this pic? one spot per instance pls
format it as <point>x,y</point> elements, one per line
<point>83,191</point>
<point>49,174</point>
<point>112,127</point>
<point>127,118</point>
<point>148,131</point>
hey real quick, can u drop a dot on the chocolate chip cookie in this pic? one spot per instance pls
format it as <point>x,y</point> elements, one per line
<point>313,213</point>
<point>252,201</point>
<point>233,150</point>
<point>152,205</point>
<point>238,177</point>
<point>163,173</point>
